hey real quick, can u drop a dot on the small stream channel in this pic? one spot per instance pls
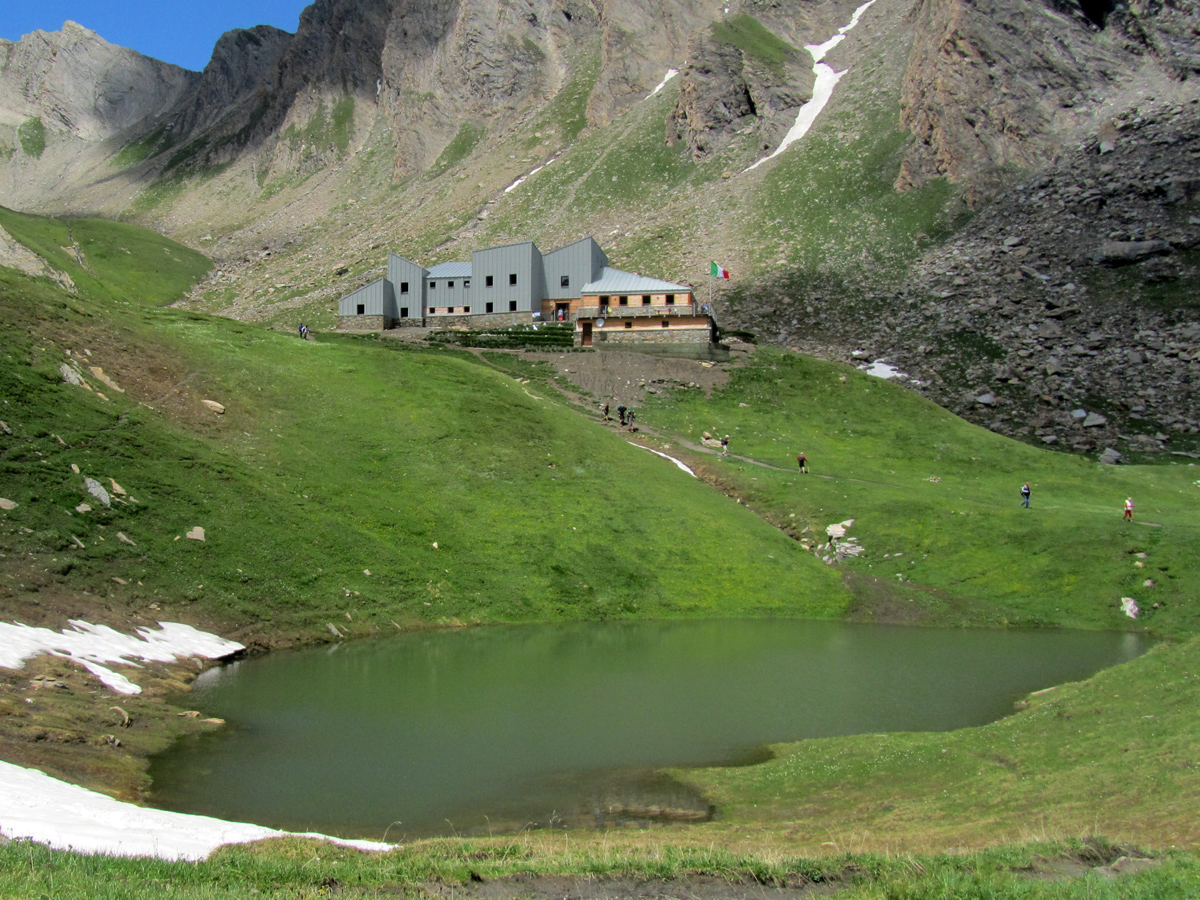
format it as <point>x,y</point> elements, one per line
<point>494,729</point>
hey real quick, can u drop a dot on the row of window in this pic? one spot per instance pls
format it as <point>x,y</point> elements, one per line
<point>628,324</point>
<point>624,301</point>
<point>488,281</point>
<point>490,307</point>
<point>447,310</point>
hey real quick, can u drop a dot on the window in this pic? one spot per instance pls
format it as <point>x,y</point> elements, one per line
<point>404,287</point>
<point>489,307</point>
<point>512,305</point>
<point>466,309</point>
<point>449,284</point>
<point>645,299</point>
<point>432,285</point>
<point>564,281</point>
<point>487,282</point>
<point>466,283</point>
<point>361,309</point>
<point>624,301</point>
<point>404,312</point>
<point>666,323</point>
<point>670,299</point>
<point>628,324</point>
<point>512,279</point>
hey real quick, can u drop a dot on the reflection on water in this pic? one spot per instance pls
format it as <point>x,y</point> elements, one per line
<point>499,728</point>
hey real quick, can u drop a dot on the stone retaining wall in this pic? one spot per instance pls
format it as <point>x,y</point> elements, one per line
<point>363,323</point>
<point>479,322</point>
<point>633,337</point>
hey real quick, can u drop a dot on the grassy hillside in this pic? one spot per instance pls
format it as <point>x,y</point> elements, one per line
<point>935,503</point>
<point>347,478</point>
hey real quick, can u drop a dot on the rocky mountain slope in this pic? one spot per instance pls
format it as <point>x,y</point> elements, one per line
<point>950,207</point>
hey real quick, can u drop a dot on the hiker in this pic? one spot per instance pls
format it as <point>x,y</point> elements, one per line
<point>1128,510</point>
<point>629,417</point>
<point>802,461</point>
<point>621,413</point>
<point>1025,495</point>
<point>301,330</point>
<point>607,417</point>
<point>725,445</point>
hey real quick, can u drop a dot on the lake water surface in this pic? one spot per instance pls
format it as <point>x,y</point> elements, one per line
<point>497,728</point>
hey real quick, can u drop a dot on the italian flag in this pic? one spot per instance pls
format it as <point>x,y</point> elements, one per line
<point>718,272</point>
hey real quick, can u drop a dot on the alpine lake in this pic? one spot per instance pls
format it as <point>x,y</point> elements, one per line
<point>495,729</point>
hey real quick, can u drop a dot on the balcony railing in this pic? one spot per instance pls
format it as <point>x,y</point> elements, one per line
<point>632,312</point>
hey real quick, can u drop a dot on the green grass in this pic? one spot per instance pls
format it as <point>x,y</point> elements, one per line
<point>157,141</point>
<point>120,261</point>
<point>347,455</point>
<point>300,868</point>
<point>970,554</point>
<point>755,40</point>
<point>32,135</point>
<point>460,147</point>
<point>327,464</point>
<point>567,112</point>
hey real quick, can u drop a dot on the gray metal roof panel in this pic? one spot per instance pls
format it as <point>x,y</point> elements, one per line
<point>614,281</point>
<point>451,270</point>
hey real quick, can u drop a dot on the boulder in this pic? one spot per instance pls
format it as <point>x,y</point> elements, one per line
<point>1094,420</point>
<point>96,489</point>
<point>1110,457</point>
<point>1121,253</point>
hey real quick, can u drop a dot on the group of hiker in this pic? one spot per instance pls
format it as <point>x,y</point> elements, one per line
<point>1026,492</point>
<point>303,329</point>
<point>626,416</point>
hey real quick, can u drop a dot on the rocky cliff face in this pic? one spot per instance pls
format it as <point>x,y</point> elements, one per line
<point>1066,311</point>
<point>242,69</point>
<point>78,83</point>
<point>998,85</point>
<point>726,89</point>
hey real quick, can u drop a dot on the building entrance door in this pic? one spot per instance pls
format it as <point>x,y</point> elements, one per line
<point>562,311</point>
<point>587,334</point>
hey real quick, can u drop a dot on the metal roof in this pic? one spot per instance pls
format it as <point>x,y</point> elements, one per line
<point>450,270</point>
<point>614,281</point>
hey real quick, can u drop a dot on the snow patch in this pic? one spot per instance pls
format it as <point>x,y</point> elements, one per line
<point>671,73</point>
<point>827,79</point>
<point>664,456</point>
<point>512,187</point>
<point>67,817</point>
<point>94,645</point>
<point>881,369</point>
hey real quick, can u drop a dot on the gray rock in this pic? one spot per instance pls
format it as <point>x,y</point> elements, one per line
<point>988,399</point>
<point>1111,457</point>
<point>1094,420</point>
<point>1120,253</point>
<point>78,83</point>
<point>96,489</point>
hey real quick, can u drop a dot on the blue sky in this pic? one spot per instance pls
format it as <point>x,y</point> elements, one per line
<point>176,31</point>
